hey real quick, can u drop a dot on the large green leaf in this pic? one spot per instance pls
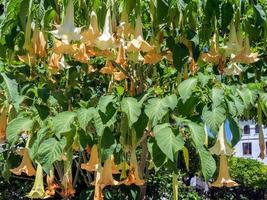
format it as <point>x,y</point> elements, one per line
<point>208,164</point>
<point>50,151</point>
<point>132,108</point>
<point>186,87</point>
<point>12,89</point>
<point>217,97</point>
<point>157,155</point>
<point>235,130</point>
<point>17,126</point>
<point>104,101</point>
<point>197,133</point>
<point>248,96</point>
<point>63,121</point>
<point>214,118</point>
<point>167,141</point>
<point>85,116</point>
<point>157,108</point>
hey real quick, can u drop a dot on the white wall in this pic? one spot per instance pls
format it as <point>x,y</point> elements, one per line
<point>253,137</point>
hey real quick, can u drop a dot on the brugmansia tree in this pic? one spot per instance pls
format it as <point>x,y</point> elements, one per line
<point>100,92</point>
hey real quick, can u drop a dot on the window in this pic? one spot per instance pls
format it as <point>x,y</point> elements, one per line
<point>257,129</point>
<point>247,130</point>
<point>247,149</point>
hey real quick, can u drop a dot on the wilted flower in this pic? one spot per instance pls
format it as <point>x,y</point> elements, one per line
<point>38,43</point>
<point>51,185</point>
<point>138,43</point>
<point>133,174</point>
<point>38,191</point>
<point>105,41</point>
<point>221,146</point>
<point>245,56</point>
<point>25,166</point>
<point>67,32</point>
<point>224,180</point>
<point>232,69</point>
<point>89,36</point>
<point>28,59</point>
<point>93,163</point>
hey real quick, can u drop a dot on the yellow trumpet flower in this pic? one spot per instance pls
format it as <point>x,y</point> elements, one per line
<point>213,56</point>
<point>245,56</point>
<point>81,54</point>
<point>121,58</point>
<point>106,40</point>
<point>106,177</point>
<point>67,32</point>
<point>67,189</point>
<point>108,69</point>
<point>221,146</point>
<point>233,46</point>
<point>62,48</point>
<point>54,62</point>
<point>133,174</point>
<point>38,43</point>
<point>89,35</point>
<point>98,195</point>
<point>3,123</point>
<point>138,43</point>
<point>224,178</point>
<point>152,58</point>
<point>93,163</point>
<point>37,191</point>
<point>119,76</point>
<point>25,166</point>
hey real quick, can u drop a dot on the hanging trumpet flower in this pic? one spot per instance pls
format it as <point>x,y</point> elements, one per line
<point>152,58</point>
<point>222,149</point>
<point>26,164</point>
<point>81,54</point>
<point>221,146</point>
<point>106,177</point>
<point>233,47</point>
<point>133,174</point>
<point>67,190</point>
<point>51,185</point>
<point>213,56</point>
<point>62,48</point>
<point>38,191</point>
<point>224,179</point>
<point>138,43</point>
<point>67,32</point>
<point>3,123</point>
<point>93,163</point>
<point>54,62</point>
<point>106,40</point>
<point>89,36</point>
<point>245,56</point>
<point>121,57</point>
<point>38,43</point>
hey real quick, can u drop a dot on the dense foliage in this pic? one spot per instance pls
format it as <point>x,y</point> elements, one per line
<point>95,88</point>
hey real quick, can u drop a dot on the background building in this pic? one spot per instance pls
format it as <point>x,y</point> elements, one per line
<point>248,146</point>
